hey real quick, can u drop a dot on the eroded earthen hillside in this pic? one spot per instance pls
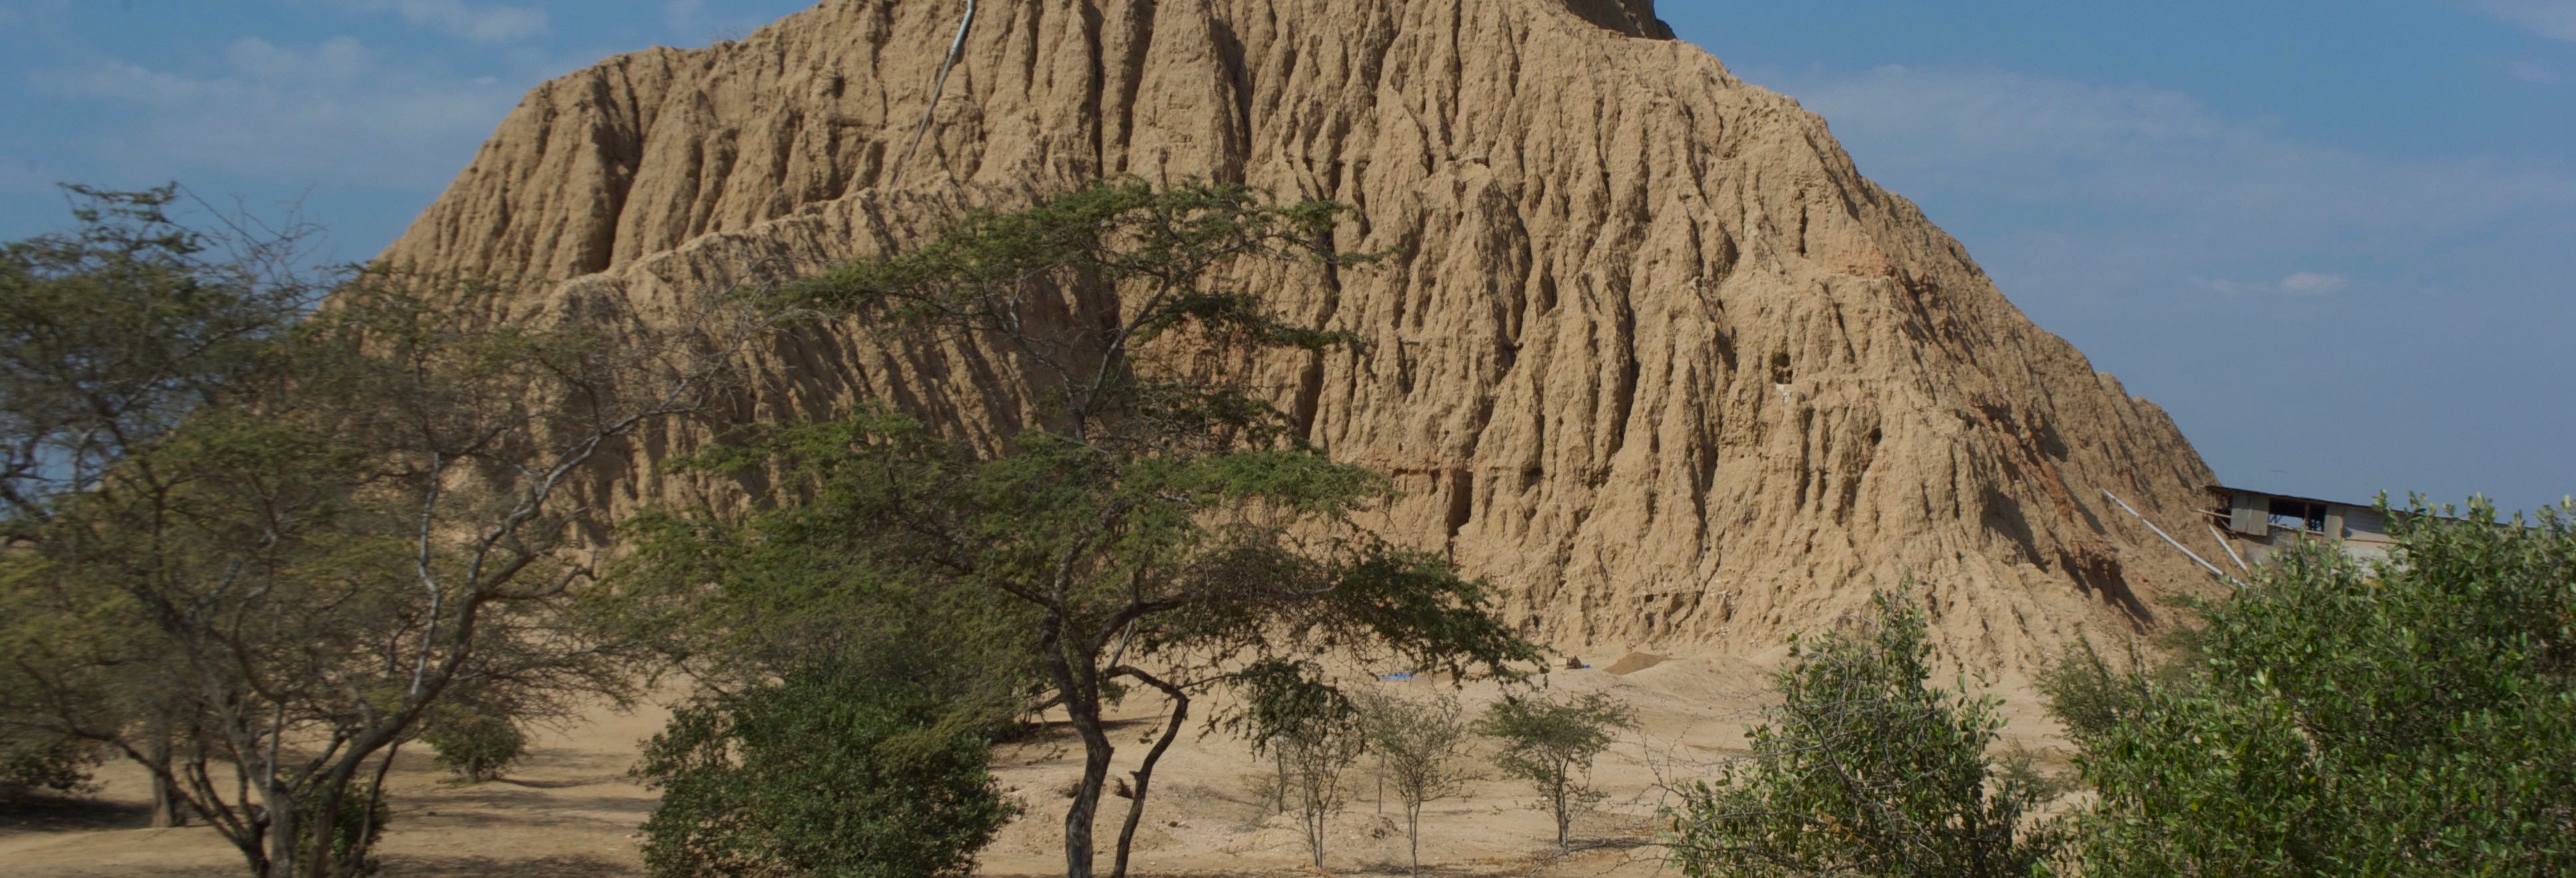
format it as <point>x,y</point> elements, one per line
<point>1653,355</point>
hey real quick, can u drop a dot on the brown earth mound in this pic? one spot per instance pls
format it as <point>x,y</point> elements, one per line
<point>1653,355</point>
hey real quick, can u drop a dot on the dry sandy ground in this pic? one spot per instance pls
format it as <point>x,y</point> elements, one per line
<point>570,810</point>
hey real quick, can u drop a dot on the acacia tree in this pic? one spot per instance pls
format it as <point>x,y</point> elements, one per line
<point>281,587</point>
<point>1157,527</point>
<point>1293,713</point>
<point>111,335</point>
<point>113,332</point>
<point>1422,749</point>
<point>1551,744</point>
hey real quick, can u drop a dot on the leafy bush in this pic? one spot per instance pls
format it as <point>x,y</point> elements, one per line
<point>2411,718</point>
<point>850,772</point>
<point>62,765</point>
<point>1863,769</point>
<point>1551,744</point>
<point>475,743</point>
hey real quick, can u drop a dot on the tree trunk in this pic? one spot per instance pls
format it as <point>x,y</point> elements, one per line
<point>165,794</point>
<point>1413,832</point>
<point>283,831</point>
<point>1145,772</point>
<point>1564,808</point>
<point>376,794</point>
<point>1082,707</point>
<point>1315,822</point>
<point>319,826</point>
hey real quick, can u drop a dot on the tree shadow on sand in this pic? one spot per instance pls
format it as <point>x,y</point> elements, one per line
<point>23,810</point>
<point>560,866</point>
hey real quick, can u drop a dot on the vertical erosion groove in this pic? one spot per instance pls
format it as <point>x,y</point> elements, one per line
<point>1462,501</point>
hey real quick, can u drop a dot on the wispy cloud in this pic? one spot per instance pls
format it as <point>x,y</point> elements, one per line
<point>2258,280</point>
<point>335,113</point>
<point>2533,72</point>
<point>2305,283</point>
<point>682,15</point>
<point>2309,283</point>
<point>2144,185</point>
<point>2555,19</point>
<point>2152,147</point>
<point>483,24</point>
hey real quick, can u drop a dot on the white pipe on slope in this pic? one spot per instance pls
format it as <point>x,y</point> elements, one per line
<point>956,48</point>
<point>2177,544</point>
<point>2231,550</point>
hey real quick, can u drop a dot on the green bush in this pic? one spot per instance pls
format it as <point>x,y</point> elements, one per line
<point>842,772</point>
<point>62,765</point>
<point>2412,718</point>
<point>475,743</point>
<point>1863,769</point>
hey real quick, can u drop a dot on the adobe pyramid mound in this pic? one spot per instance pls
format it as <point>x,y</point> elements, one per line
<point>1654,356</point>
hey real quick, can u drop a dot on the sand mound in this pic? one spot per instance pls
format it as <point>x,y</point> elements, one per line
<point>1632,663</point>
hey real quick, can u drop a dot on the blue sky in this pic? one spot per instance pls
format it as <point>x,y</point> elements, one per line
<point>2336,239</point>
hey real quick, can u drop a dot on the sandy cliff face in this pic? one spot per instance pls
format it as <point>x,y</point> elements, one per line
<point>1655,357</point>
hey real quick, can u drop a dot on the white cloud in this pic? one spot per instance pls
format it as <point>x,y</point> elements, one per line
<point>2309,283</point>
<point>483,24</point>
<point>337,112</point>
<point>2555,19</point>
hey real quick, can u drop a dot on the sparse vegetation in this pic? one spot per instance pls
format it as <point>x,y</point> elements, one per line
<point>1315,733</point>
<point>1866,769</point>
<point>1551,743</point>
<point>1422,748</point>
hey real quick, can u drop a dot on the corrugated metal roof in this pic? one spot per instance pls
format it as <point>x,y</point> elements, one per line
<point>2224,490</point>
